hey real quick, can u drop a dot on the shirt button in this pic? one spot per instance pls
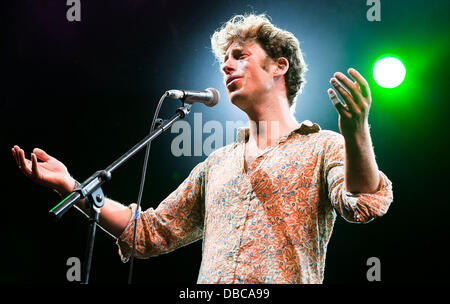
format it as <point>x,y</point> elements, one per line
<point>244,197</point>
<point>230,258</point>
<point>238,226</point>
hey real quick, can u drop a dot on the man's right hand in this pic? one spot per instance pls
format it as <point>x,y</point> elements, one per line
<point>49,172</point>
<point>52,173</point>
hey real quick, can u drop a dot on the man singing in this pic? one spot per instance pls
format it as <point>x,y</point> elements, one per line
<point>266,204</point>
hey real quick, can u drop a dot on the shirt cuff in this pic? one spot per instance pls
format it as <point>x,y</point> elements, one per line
<point>364,207</point>
<point>125,240</point>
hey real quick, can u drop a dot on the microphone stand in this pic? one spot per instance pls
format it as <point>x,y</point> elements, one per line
<point>91,190</point>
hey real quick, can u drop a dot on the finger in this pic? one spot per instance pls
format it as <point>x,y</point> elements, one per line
<point>41,154</point>
<point>19,160</point>
<point>348,84</point>
<point>13,150</point>
<point>34,166</point>
<point>17,157</point>
<point>354,89</point>
<point>346,96</point>
<point>340,108</point>
<point>16,154</point>
<point>23,164</point>
<point>362,82</point>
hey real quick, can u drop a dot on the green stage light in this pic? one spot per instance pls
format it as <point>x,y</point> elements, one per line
<point>389,72</point>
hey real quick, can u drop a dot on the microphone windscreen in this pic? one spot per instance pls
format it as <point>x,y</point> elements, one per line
<point>216,96</point>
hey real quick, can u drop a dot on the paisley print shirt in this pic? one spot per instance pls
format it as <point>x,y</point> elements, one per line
<point>270,224</point>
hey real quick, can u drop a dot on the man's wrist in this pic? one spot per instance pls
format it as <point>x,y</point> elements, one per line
<point>69,187</point>
<point>359,138</point>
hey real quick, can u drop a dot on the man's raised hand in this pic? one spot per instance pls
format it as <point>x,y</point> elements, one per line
<point>353,116</point>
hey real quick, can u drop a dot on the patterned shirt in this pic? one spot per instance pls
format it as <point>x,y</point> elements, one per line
<point>269,224</point>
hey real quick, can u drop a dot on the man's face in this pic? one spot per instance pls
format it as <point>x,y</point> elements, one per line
<point>247,74</point>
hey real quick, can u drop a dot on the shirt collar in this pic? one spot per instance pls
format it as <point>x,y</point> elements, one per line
<point>305,128</point>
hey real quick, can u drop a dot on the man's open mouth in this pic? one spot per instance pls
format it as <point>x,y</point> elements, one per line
<point>232,79</point>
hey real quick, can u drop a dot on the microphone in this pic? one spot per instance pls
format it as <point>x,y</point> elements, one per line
<point>209,97</point>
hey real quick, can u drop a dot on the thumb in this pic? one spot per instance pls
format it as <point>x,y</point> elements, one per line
<point>41,154</point>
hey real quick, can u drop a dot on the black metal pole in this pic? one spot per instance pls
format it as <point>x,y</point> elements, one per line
<point>90,244</point>
<point>95,200</point>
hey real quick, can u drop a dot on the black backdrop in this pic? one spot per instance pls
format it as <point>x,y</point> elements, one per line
<point>85,92</point>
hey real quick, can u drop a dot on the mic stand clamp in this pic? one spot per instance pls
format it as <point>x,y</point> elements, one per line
<point>92,193</point>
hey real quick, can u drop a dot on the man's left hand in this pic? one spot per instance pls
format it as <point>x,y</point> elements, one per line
<point>353,116</point>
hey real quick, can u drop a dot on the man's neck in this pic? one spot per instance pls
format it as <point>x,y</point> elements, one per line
<point>268,122</point>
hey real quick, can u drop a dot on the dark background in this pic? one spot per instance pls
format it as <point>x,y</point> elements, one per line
<point>86,91</point>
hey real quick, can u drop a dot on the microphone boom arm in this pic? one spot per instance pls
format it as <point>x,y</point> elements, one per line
<point>102,176</point>
<point>91,190</point>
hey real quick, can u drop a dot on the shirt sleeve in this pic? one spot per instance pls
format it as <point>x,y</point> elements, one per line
<point>176,222</point>
<point>355,208</point>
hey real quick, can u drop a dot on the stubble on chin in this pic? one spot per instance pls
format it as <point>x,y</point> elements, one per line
<point>240,100</point>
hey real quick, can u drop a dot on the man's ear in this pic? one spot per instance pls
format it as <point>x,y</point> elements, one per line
<point>281,67</point>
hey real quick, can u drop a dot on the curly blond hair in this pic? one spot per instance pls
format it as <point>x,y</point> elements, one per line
<point>274,41</point>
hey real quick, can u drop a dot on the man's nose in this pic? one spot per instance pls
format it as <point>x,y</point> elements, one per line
<point>228,67</point>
